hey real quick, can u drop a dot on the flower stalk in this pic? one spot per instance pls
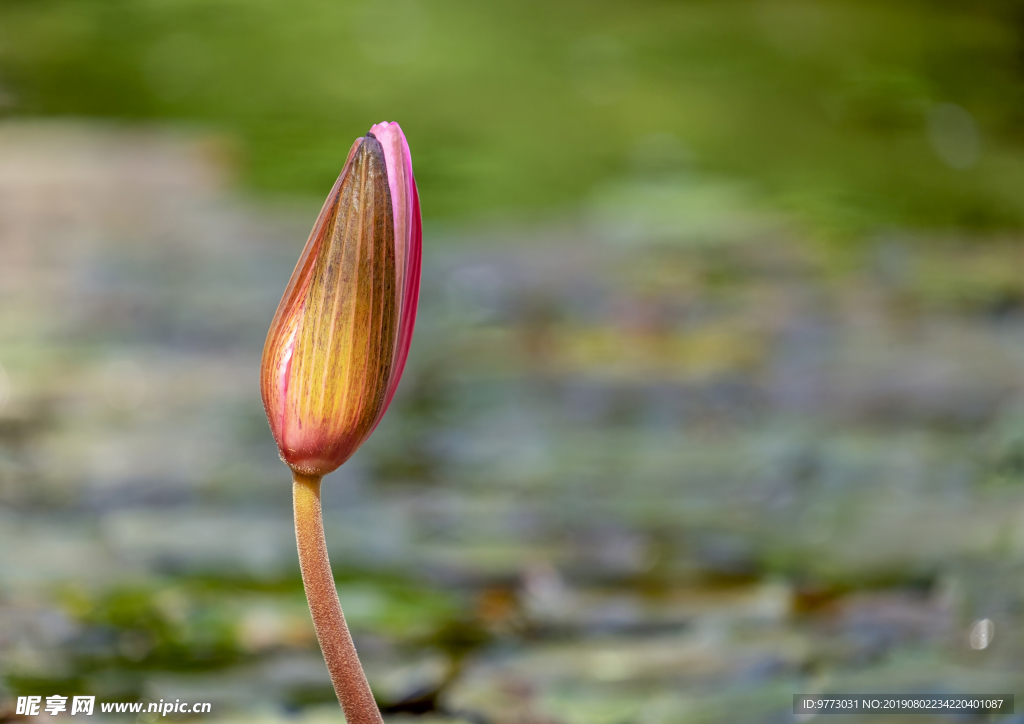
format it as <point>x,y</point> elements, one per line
<point>332,632</point>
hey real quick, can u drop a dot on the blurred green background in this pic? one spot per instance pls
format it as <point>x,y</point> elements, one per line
<point>851,114</point>
<point>716,396</point>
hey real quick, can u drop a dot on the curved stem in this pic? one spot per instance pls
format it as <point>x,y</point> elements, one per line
<point>331,630</point>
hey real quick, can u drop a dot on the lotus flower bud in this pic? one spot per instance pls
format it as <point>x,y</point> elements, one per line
<point>341,335</point>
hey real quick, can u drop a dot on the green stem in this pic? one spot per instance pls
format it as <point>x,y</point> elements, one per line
<point>331,630</point>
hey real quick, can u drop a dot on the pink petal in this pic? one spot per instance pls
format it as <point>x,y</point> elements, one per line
<point>408,241</point>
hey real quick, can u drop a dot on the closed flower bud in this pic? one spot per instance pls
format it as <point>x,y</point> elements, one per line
<point>341,335</point>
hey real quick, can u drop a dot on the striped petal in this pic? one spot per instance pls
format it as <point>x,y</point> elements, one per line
<point>330,353</point>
